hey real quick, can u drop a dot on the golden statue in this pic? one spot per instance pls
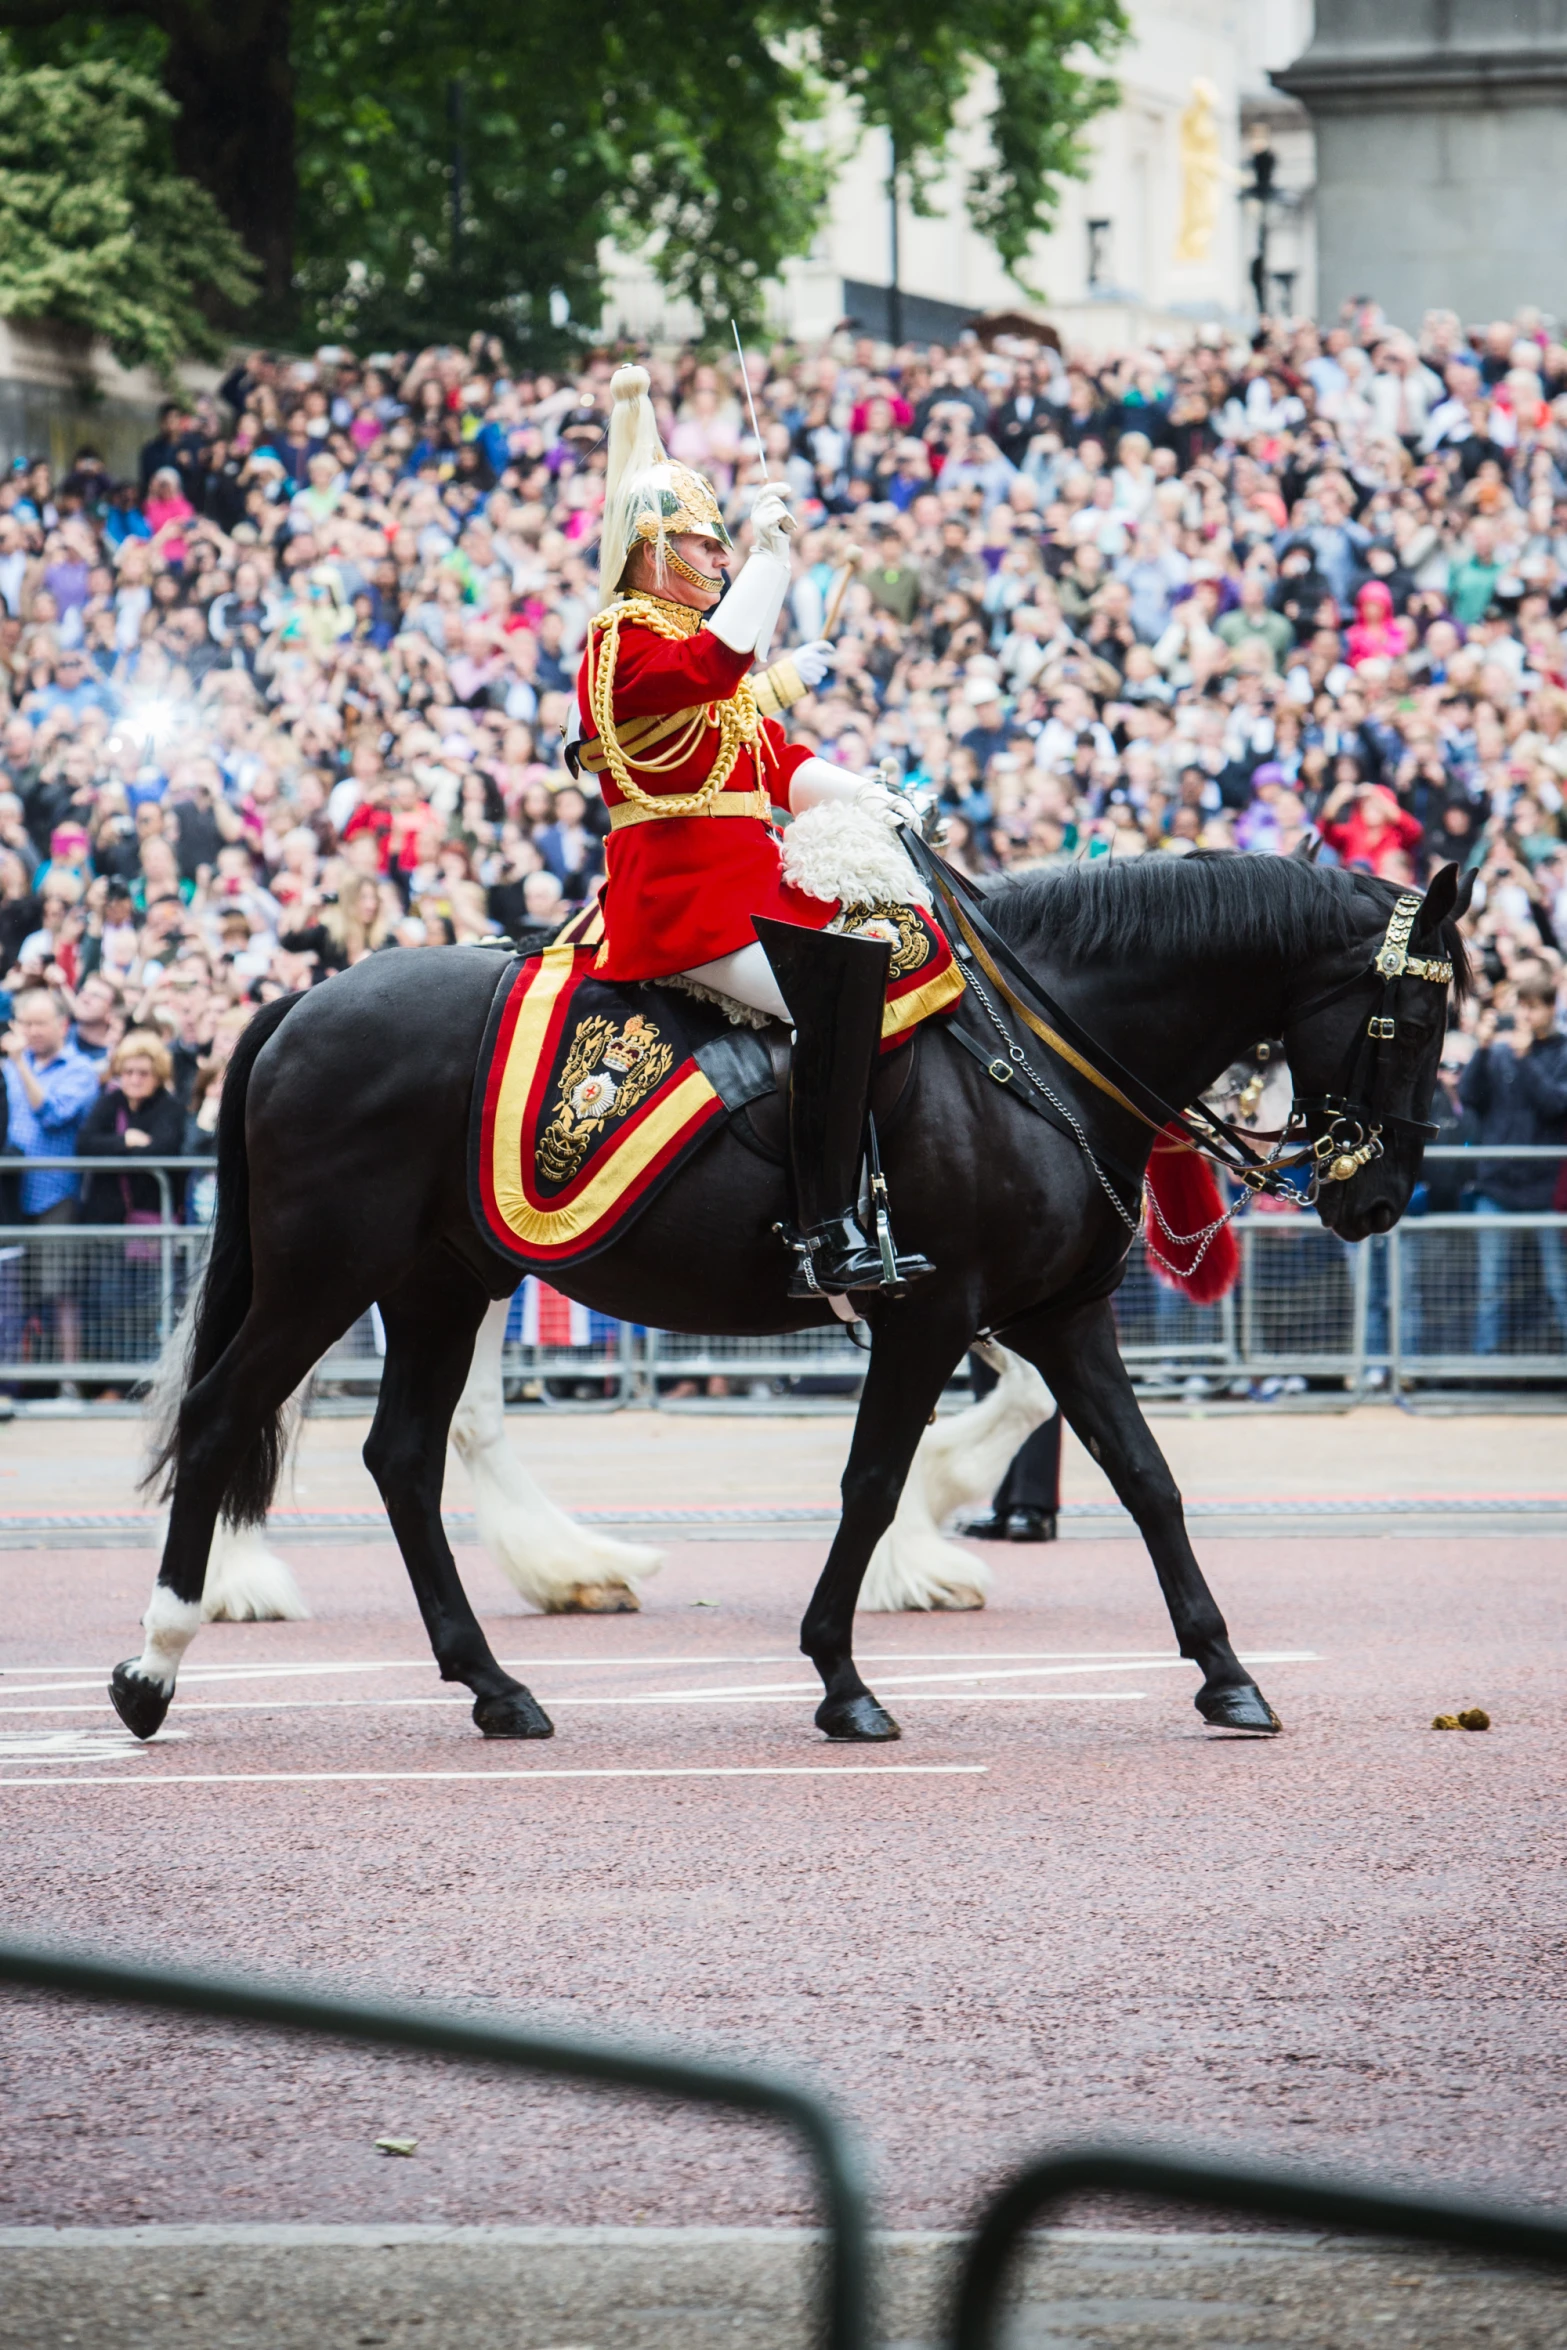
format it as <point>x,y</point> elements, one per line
<point>1203,170</point>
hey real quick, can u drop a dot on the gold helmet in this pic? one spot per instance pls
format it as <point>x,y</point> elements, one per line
<point>670,499</point>
<point>648,495</point>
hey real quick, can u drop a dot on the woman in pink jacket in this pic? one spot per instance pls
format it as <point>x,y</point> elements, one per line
<point>1375,832</point>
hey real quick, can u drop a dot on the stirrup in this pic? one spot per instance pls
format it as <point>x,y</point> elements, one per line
<point>836,1260</point>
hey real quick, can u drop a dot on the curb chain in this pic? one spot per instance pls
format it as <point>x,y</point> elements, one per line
<point>1202,1241</point>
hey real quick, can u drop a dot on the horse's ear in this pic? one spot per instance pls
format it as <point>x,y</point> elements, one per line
<point>1466,890</point>
<point>1440,899</point>
<point>1309,846</point>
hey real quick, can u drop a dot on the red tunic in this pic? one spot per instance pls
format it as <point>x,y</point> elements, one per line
<point>681,890</point>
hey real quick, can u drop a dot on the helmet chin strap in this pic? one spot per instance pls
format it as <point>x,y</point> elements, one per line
<point>689,572</point>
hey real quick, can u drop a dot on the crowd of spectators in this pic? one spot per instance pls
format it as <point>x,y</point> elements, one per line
<point>294,695</point>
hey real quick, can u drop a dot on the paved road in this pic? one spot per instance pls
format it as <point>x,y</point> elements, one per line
<point>1058,1908</point>
<point>696,2289</point>
<point>636,1459</point>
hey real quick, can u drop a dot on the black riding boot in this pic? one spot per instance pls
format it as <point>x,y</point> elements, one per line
<point>835,988</point>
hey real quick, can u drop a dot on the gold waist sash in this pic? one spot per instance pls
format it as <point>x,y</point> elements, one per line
<point>754,804</point>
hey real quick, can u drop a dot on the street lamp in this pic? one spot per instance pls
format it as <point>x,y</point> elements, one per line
<point>1264,163</point>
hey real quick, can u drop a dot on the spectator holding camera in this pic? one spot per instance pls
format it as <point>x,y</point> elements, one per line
<point>1368,828</point>
<point>135,1117</point>
<point>50,1086</point>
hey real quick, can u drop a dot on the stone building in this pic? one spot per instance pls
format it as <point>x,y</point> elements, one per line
<point>1438,140</point>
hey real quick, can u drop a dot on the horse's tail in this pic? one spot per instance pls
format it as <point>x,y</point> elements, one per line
<point>211,1324</point>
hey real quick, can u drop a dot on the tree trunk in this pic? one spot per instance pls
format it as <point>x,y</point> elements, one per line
<point>230,70</point>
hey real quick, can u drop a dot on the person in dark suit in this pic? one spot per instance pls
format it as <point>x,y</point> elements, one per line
<point>1027,1502</point>
<point>1014,424</point>
<point>573,853</point>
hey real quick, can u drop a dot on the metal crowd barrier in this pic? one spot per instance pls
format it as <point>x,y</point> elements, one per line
<point>94,1303</point>
<point>846,2319</point>
<point>1149,2174</point>
<point>649,2072</point>
<point>1451,1300</point>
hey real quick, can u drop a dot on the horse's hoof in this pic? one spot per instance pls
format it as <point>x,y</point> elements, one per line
<point>598,1599</point>
<point>859,1719</point>
<point>516,1715</point>
<point>140,1703</point>
<point>1240,1706</point>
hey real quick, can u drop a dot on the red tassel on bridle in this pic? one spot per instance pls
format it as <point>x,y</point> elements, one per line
<point>1186,1192</point>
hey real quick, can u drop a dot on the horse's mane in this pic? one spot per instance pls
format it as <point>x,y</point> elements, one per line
<point>1172,908</point>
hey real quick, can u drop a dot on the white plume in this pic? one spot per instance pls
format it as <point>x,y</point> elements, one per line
<point>634,449</point>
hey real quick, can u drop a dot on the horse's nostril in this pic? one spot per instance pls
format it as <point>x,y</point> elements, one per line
<point>1382,1217</point>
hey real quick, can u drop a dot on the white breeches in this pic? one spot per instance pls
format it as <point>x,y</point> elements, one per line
<point>748,977</point>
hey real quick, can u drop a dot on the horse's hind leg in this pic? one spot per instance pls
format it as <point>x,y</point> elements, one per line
<point>222,1417</point>
<point>562,1567</point>
<point>1078,1354</point>
<point>431,1321</point>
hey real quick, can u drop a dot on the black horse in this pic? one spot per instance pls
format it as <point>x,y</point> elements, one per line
<point>342,1182</point>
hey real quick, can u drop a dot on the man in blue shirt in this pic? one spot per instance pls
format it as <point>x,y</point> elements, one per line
<point>50,1087</point>
<point>76,688</point>
<point>1337,543</point>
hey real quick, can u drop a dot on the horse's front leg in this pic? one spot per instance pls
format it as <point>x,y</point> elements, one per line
<point>911,1361</point>
<point>1078,1354</point>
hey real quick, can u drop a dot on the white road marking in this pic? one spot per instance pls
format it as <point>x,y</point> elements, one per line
<point>640,1771</point>
<point>76,1745</point>
<point>913,1688</point>
<point>302,1705</point>
<point>281,1669</point>
<point>1065,1659</point>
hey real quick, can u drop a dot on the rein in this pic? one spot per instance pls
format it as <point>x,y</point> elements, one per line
<point>1356,1115</point>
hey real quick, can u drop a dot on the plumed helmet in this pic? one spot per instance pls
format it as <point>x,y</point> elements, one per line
<point>648,495</point>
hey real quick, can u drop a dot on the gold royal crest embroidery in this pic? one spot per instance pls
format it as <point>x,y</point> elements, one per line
<point>901,928</point>
<point>606,1073</point>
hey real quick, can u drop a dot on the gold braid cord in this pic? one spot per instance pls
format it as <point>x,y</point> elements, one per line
<point>739,727</point>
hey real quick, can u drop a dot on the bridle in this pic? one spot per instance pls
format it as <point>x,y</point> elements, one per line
<point>1357,1115</point>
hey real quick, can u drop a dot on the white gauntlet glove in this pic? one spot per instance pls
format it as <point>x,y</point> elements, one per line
<point>816,780</point>
<point>891,807</point>
<point>771,520</point>
<point>746,618</point>
<point>813,662</point>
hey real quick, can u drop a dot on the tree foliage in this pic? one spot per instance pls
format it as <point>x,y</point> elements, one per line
<point>459,166</point>
<point>97,231</point>
<point>910,66</point>
<point>462,162</point>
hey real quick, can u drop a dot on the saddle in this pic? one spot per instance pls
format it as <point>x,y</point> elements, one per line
<point>591,1094</point>
<point>762,1123</point>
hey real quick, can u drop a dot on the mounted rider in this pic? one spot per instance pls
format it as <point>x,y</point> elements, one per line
<point>691,762</point>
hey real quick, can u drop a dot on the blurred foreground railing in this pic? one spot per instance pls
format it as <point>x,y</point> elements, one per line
<point>1470,1297</point>
<point>846,2322</point>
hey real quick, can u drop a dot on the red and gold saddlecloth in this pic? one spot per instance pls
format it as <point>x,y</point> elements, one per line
<point>589,1094</point>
